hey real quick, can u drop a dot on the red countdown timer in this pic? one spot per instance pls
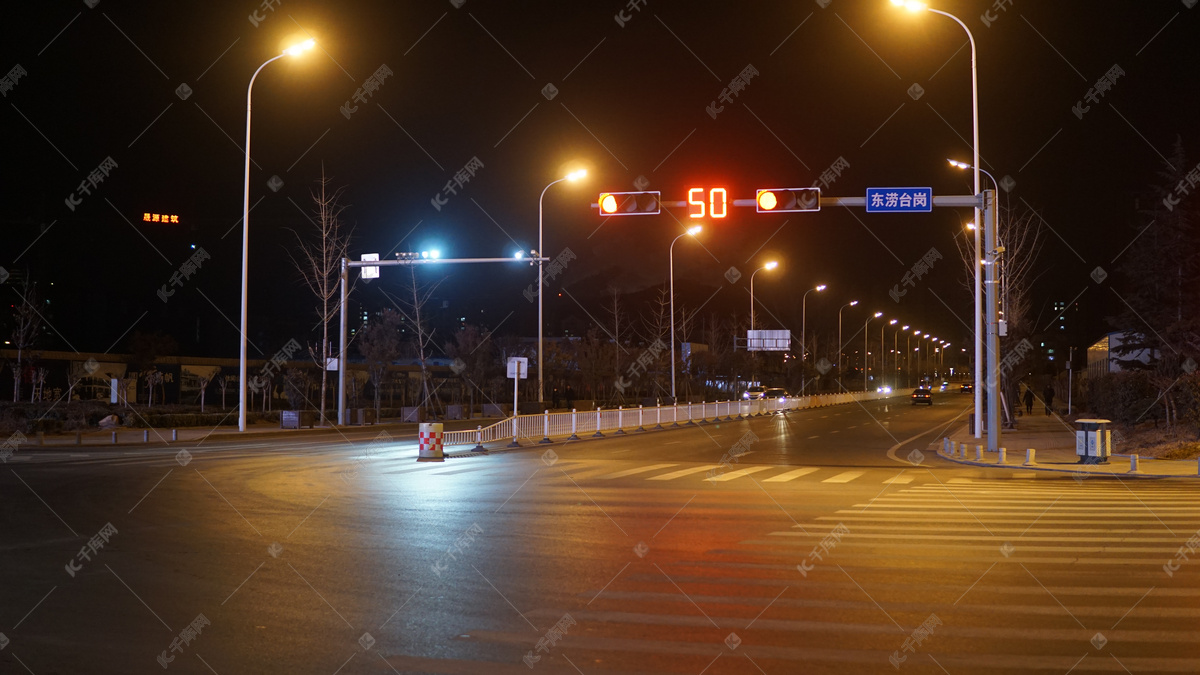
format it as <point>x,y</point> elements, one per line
<point>718,203</point>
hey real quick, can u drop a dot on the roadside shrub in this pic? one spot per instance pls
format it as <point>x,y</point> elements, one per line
<point>1126,398</point>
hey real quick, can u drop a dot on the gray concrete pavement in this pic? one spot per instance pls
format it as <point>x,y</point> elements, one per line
<point>821,555</point>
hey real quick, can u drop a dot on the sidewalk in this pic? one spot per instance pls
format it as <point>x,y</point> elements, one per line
<point>129,436</point>
<point>1053,438</point>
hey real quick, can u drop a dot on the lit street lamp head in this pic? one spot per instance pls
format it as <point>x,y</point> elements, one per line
<point>297,50</point>
<point>820,288</point>
<point>576,175</point>
<point>878,314</point>
<point>910,5</point>
<point>771,265</point>
<point>853,303</point>
<point>958,165</point>
<point>694,230</point>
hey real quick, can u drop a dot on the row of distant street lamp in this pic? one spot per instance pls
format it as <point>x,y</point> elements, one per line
<point>911,5</point>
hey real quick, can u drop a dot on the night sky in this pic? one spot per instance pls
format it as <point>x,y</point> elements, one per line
<point>469,81</point>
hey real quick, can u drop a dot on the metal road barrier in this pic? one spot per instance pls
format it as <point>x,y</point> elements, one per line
<point>600,422</point>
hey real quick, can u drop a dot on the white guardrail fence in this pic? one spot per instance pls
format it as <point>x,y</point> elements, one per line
<point>576,424</point>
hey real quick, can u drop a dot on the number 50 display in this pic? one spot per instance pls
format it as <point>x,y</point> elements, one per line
<point>718,203</point>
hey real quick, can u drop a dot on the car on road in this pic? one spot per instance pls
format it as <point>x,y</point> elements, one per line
<point>945,385</point>
<point>775,392</point>
<point>754,393</point>
<point>922,396</point>
<point>966,388</point>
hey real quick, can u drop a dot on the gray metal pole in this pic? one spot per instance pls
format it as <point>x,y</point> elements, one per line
<point>341,388</point>
<point>993,337</point>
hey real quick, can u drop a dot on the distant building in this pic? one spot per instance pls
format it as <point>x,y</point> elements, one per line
<point>1104,356</point>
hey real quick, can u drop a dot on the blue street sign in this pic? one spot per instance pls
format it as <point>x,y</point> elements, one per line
<point>900,200</point>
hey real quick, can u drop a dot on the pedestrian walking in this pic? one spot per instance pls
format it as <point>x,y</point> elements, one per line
<point>570,397</point>
<point>555,398</point>
<point>1028,400</point>
<point>1048,394</point>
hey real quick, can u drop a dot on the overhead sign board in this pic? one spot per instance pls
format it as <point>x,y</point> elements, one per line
<point>768,340</point>
<point>370,272</point>
<point>899,200</point>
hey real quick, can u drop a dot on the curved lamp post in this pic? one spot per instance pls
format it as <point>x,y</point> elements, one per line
<point>294,50</point>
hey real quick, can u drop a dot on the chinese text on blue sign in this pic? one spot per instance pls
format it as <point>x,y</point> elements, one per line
<point>899,200</point>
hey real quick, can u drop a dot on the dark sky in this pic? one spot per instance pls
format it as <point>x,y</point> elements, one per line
<point>467,82</point>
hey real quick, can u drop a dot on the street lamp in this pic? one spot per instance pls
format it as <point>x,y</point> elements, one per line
<point>915,6</point>
<point>840,345</point>
<point>769,266</point>
<point>907,357</point>
<point>804,333</point>
<point>882,354</point>
<point>294,50</point>
<point>979,262</point>
<point>865,347</point>
<point>573,176</point>
<point>691,232</point>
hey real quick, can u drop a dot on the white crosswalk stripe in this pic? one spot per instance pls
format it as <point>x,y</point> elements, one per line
<point>683,472</point>
<point>844,477</point>
<point>737,474</point>
<point>791,475</point>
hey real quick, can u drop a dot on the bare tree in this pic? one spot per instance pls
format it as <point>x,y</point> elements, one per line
<point>223,382</point>
<point>472,354</point>
<point>379,343</point>
<point>318,259</point>
<point>1021,235</point>
<point>410,303</point>
<point>27,325</point>
<point>203,380</point>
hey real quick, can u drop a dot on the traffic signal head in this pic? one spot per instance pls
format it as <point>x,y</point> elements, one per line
<point>788,200</point>
<point>630,203</point>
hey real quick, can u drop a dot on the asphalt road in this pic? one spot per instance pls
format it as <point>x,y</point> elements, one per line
<point>647,554</point>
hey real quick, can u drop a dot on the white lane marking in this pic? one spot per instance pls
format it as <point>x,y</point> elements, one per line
<point>791,475</point>
<point>900,480</point>
<point>672,442</point>
<point>640,469</point>
<point>834,431</point>
<point>812,437</point>
<point>844,477</point>
<point>737,474</point>
<point>683,472</point>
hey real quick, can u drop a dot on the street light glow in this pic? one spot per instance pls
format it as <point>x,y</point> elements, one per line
<point>820,288</point>
<point>958,165</point>
<point>694,230</point>
<point>771,265</point>
<point>878,314</point>
<point>893,322</point>
<point>853,303</point>
<point>576,175</point>
<point>910,5</point>
<point>297,50</point>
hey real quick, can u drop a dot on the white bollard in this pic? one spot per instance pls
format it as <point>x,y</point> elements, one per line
<point>598,433</point>
<point>945,444</point>
<point>545,427</point>
<point>145,435</point>
<point>174,434</point>
<point>574,436</point>
<point>479,440</point>
<point>658,416</point>
<point>620,420</point>
<point>1030,457</point>
<point>962,450</point>
<point>978,453</point>
<point>1003,455</point>
<point>640,411</point>
<point>1133,464</point>
<point>114,438</point>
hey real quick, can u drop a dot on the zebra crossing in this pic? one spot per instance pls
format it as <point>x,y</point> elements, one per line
<point>992,576</point>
